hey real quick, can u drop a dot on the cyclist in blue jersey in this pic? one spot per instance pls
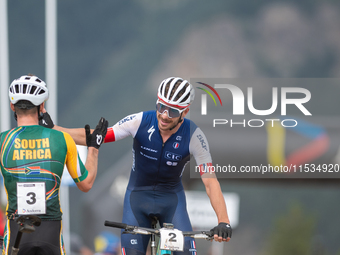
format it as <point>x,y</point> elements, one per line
<point>163,141</point>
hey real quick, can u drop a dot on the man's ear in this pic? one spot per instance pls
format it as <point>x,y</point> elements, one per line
<point>42,107</point>
<point>12,107</point>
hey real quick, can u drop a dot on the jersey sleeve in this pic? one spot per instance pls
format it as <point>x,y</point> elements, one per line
<point>123,128</point>
<point>73,162</point>
<point>199,148</point>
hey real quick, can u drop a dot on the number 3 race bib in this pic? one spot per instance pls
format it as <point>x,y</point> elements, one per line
<point>31,198</point>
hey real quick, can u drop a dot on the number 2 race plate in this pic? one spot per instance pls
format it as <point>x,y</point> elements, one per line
<point>171,239</point>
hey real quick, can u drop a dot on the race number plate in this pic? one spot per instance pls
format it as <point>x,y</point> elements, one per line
<point>171,239</point>
<point>31,198</point>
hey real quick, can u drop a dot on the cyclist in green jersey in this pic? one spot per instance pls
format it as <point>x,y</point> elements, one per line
<point>32,162</point>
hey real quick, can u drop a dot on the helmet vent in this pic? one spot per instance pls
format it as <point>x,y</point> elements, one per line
<point>184,99</point>
<point>24,88</point>
<point>161,88</point>
<point>41,92</point>
<point>33,89</point>
<point>181,92</point>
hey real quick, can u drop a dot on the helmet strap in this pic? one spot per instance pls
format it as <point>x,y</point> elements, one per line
<point>40,116</point>
<point>15,116</point>
<point>179,121</point>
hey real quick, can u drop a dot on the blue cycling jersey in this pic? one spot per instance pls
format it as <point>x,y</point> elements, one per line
<point>158,165</point>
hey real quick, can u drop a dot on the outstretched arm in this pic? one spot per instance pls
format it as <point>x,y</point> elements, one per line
<point>78,134</point>
<point>125,127</point>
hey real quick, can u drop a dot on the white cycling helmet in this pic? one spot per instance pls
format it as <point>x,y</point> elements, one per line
<point>181,95</point>
<point>29,88</point>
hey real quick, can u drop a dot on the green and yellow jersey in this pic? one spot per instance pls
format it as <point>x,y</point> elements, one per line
<point>32,164</point>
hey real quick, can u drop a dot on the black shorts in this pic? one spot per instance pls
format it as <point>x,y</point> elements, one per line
<point>45,240</point>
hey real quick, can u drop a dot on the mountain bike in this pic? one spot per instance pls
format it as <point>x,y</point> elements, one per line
<point>170,239</point>
<point>26,225</point>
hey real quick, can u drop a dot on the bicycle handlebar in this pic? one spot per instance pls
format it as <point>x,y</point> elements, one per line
<point>116,224</point>
<point>132,229</point>
<point>147,231</point>
<point>199,234</point>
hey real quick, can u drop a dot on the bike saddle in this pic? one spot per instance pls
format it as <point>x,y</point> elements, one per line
<point>154,221</point>
<point>27,223</point>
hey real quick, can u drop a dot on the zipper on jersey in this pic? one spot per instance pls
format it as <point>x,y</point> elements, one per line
<point>159,165</point>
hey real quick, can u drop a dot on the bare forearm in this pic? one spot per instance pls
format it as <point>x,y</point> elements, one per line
<point>217,201</point>
<point>78,134</point>
<point>92,164</point>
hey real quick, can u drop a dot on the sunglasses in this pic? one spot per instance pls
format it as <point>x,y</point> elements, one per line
<point>172,112</point>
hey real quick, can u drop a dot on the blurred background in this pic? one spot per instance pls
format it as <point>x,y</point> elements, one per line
<point>112,55</point>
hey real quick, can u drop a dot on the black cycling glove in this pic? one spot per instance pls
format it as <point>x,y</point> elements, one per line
<point>45,120</point>
<point>97,137</point>
<point>223,229</point>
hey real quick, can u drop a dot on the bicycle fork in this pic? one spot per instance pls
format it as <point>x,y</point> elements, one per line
<point>153,245</point>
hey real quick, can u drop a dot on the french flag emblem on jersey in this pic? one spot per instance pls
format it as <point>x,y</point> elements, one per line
<point>176,145</point>
<point>193,248</point>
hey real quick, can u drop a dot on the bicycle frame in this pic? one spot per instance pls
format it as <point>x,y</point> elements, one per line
<point>153,232</point>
